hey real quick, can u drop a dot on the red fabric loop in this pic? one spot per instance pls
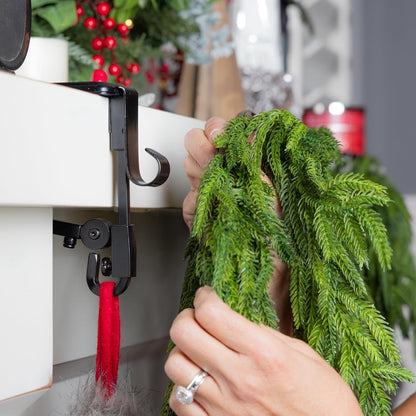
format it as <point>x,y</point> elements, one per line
<point>108,339</point>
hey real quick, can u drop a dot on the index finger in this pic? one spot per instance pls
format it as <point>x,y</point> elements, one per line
<point>198,142</point>
<point>198,345</point>
<point>229,327</point>
<point>199,148</point>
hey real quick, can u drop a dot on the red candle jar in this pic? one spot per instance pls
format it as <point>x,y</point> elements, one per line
<point>346,124</point>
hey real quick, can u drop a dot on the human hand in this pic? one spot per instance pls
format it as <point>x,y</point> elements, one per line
<point>252,369</point>
<point>200,148</point>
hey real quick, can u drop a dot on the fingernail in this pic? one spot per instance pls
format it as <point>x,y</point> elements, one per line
<point>215,132</point>
<point>198,293</point>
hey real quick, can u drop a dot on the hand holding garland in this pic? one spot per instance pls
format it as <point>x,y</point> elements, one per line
<point>232,349</point>
<point>302,381</point>
<point>253,369</point>
<point>200,148</point>
<point>200,155</point>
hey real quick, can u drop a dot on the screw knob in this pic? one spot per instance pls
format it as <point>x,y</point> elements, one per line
<point>106,266</point>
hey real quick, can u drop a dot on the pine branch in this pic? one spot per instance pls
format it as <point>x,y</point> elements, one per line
<point>392,290</point>
<point>330,226</point>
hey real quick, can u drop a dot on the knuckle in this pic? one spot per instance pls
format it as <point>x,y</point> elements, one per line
<point>181,326</point>
<point>272,359</point>
<point>186,162</point>
<point>267,358</point>
<point>167,367</point>
<point>206,311</point>
<point>191,134</point>
<point>189,165</point>
<point>171,365</point>
<point>173,403</point>
<point>207,152</point>
<point>190,201</point>
<point>247,389</point>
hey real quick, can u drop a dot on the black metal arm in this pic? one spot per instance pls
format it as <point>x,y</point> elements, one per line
<point>98,233</point>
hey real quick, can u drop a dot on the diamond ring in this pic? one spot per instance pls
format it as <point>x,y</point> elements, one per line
<point>186,395</point>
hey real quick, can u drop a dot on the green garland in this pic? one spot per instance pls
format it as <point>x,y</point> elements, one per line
<point>328,230</point>
<point>393,290</point>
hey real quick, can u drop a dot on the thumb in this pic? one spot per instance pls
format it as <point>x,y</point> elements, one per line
<point>213,127</point>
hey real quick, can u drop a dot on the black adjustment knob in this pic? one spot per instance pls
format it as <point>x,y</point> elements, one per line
<point>70,242</point>
<point>106,266</point>
<point>95,234</point>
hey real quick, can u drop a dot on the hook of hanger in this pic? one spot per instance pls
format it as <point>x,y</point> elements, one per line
<point>163,170</point>
<point>124,137</point>
<point>123,126</point>
<point>93,281</point>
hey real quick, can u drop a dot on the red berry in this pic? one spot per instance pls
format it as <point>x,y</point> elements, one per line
<point>97,44</point>
<point>79,9</point>
<point>103,9</point>
<point>164,68</point>
<point>110,42</point>
<point>127,82</point>
<point>98,59</point>
<point>90,23</point>
<point>150,78</point>
<point>120,79</point>
<point>133,68</point>
<point>114,69</point>
<point>109,23</point>
<point>122,29</point>
<point>99,75</point>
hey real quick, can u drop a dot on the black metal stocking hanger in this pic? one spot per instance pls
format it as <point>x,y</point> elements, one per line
<point>15,22</point>
<point>99,233</point>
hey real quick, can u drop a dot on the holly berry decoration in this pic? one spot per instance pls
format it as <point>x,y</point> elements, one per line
<point>103,9</point>
<point>99,75</point>
<point>106,32</point>
<point>90,23</point>
<point>123,29</point>
<point>133,68</point>
<point>114,69</point>
<point>98,59</point>
<point>97,44</point>
<point>109,23</point>
<point>110,42</point>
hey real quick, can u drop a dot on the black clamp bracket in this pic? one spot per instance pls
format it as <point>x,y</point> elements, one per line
<point>99,233</point>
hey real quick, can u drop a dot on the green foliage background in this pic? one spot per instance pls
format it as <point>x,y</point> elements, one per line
<point>393,290</point>
<point>156,23</point>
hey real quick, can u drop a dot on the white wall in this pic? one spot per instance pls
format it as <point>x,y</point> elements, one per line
<point>147,309</point>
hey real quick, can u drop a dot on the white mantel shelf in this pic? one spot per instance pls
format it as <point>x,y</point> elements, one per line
<point>55,154</point>
<point>55,149</point>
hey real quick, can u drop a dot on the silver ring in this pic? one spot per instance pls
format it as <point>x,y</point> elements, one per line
<point>186,395</point>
